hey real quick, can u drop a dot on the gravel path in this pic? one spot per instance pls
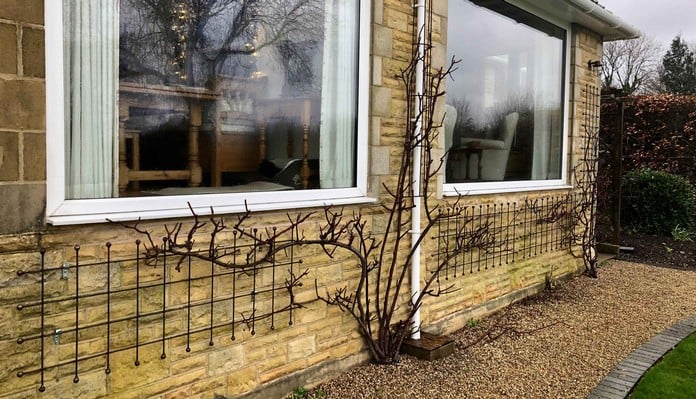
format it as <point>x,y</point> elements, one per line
<point>559,344</point>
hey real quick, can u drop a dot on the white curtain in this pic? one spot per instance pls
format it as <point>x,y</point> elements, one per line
<point>338,95</point>
<point>547,100</point>
<point>91,65</point>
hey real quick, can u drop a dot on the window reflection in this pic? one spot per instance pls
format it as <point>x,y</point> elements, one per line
<point>213,96</point>
<point>506,98</point>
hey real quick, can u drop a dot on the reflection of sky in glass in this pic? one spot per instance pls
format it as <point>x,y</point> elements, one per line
<point>502,60</point>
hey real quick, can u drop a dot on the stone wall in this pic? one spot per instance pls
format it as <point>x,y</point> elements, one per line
<point>320,342</point>
<point>22,120</point>
<point>477,293</point>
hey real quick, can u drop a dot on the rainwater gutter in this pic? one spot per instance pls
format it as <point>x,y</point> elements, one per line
<point>620,30</point>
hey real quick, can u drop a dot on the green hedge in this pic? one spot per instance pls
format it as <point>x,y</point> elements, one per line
<point>656,202</point>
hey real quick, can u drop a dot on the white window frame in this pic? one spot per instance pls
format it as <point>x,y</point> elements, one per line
<point>62,211</point>
<point>497,187</point>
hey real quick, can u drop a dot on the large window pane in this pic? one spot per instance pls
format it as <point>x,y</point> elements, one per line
<point>505,100</point>
<point>218,96</point>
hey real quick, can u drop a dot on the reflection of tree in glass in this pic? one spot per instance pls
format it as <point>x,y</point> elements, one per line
<point>296,59</point>
<point>217,36</point>
<point>522,104</point>
<point>466,125</point>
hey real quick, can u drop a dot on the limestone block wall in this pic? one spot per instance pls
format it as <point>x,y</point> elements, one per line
<point>203,350</point>
<point>482,292</point>
<point>321,340</point>
<point>586,46</point>
<point>22,117</point>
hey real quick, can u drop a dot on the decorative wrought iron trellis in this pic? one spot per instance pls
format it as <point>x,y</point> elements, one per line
<point>486,236</point>
<point>498,234</point>
<point>151,298</point>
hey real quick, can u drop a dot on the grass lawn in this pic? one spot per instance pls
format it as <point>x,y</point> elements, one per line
<point>673,377</point>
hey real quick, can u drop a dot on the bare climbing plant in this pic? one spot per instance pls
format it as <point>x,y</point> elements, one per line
<point>584,235</point>
<point>377,300</point>
<point>578,210</point>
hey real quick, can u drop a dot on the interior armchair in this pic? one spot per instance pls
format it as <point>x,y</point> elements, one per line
<point>484,159</point>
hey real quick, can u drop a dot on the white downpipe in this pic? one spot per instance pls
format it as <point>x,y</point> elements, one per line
<point>416,178</point>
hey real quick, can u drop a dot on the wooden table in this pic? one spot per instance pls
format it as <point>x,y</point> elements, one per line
<point>472,148</point>
<point>302,107</point>
<point>164,98</point>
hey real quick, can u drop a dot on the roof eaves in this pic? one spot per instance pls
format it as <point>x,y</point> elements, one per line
<point>597,17</point>
<point>588,13</point>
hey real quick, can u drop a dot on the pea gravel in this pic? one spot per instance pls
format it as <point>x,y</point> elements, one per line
<point>559,344</point>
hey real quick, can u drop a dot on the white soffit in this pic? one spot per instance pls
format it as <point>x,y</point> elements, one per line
<point>586,13</point>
